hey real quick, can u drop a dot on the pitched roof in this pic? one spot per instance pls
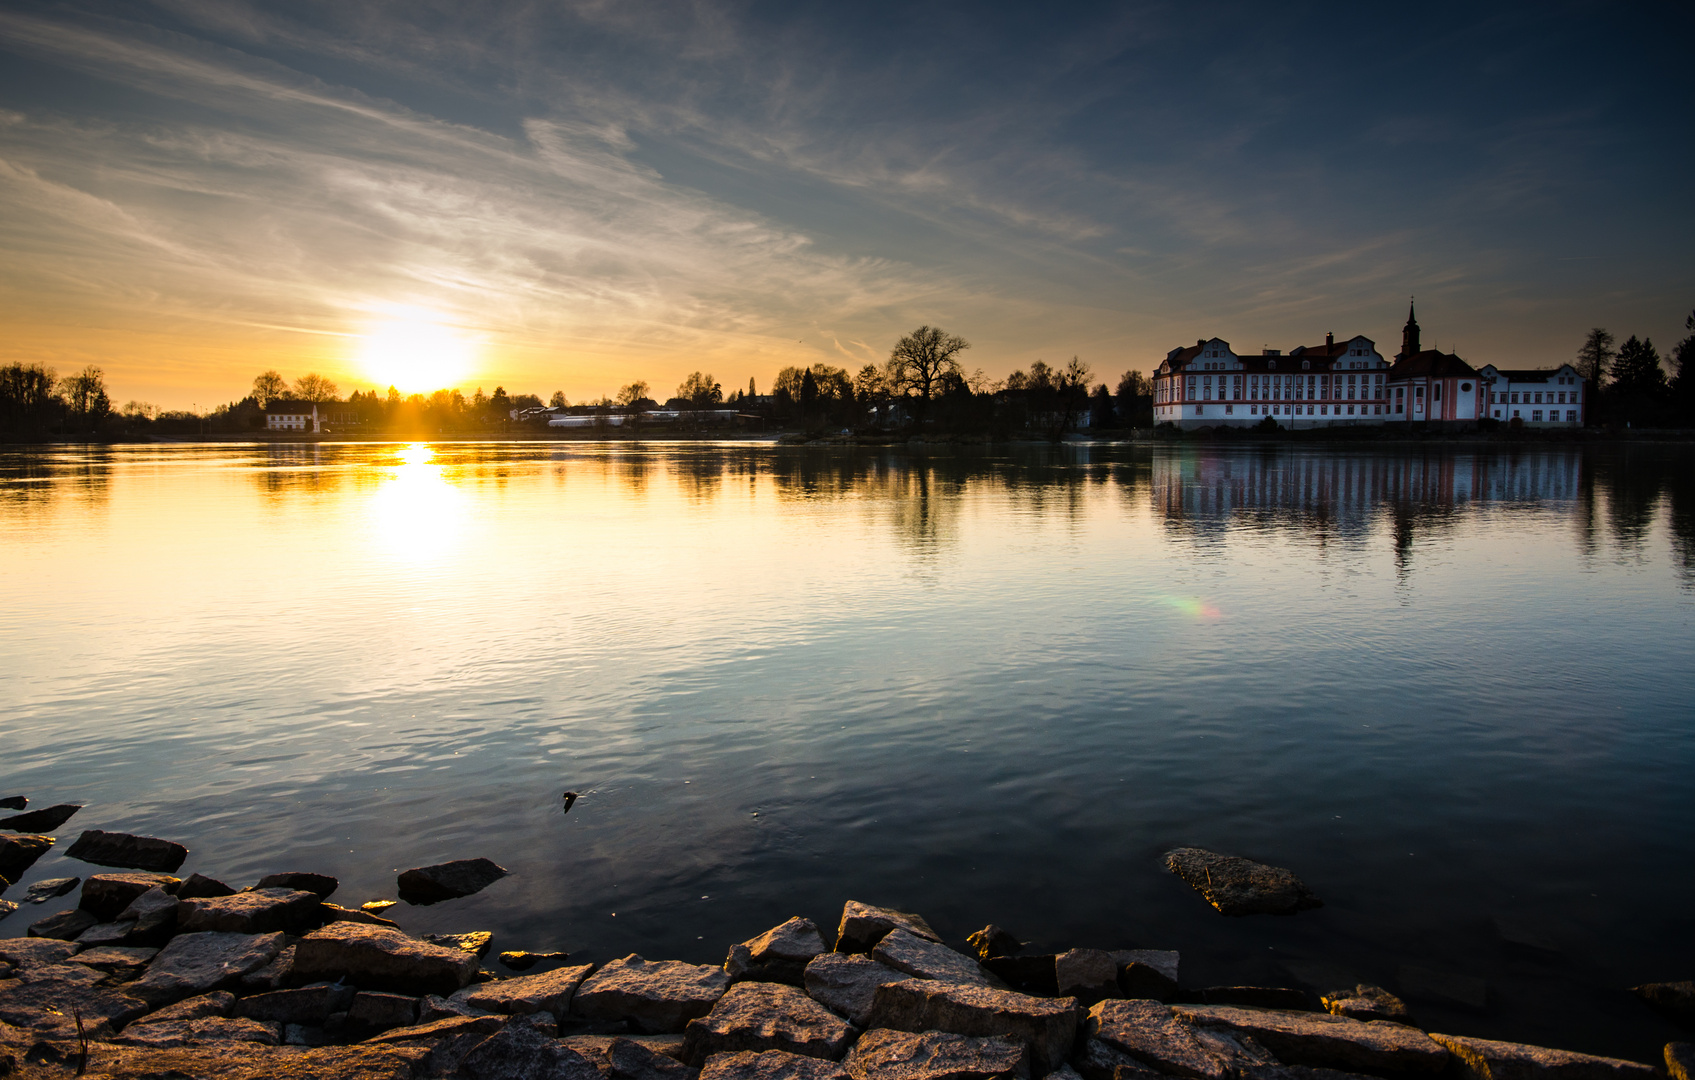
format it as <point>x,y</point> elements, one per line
<point>1529,374</point>
<point>1430,364</point>
<point>292,407</point>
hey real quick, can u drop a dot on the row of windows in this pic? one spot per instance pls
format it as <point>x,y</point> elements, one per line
<point>1295,410</point>
<point>1536,415</point>
<point>1512,397</point>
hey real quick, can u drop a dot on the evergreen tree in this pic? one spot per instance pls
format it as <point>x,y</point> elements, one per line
<point>1683,370</point>
<point>1595,356</point>
<point>1637,372</point>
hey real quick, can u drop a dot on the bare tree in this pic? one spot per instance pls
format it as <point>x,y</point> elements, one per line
<point>314,387</point>
<point>269,386</point>
<point>630,395</point>
<point>921,358</point>
<point>85,394</point>
<point>701,389</point>
<point>1596,356</point>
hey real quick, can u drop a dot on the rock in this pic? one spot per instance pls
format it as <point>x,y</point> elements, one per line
<point>448,881</point>
<point>321,884</point>
<point>377,907</point>
<point>195,963</point>
<point>1448,987</point>
<point>1367,1002</point>
<point>631,1060</point>
<point>597,1047</point>
<point>771,1065</point>
<point>935,1055</point>
<point>993,941</point>
<point>1026,974</point>
<point>250,1061</point>
<point>846,984</point>
<point>433,1007</point>
<point>441,1029</point>
<point>1486,1059</point>
<point>524,961</point>
<point>1163,961</point>
<point>778,955</point>
<point>63,924</point>
<point>926,959</point>
<point>310,1006</point>
<point>14,802</point>
<point>124,849</point>
<point>550,992</point>
<point>1237,886</point>
<point>377,958</point>
<point>520,1052</point>
<point>273,975</point>
<point>18,854</point>
<point>38,821</point>
<point>6,908</point>
<point>105,934</point>
<point>1097,1060</point>
<point>1047,1024</point>
<point>217,1003</point>
<point>152,915</point>
<point>1674,999</point>
<point>105,896</point>
<point>199,887</point>
<point>259,911</point>
<point>212,1029</point>
<point>864,925</point>
<point>1089,975</point>
<point>374,1010</point>
<point>1680,1060</point>
<point>758,1016</point>
<point>49,888</point>
<point>1138,980</point>
<point>1262,997</point>
<point>42,998</point>
<point>329,913</point>
<point>476,942</point>
<point>304,1035</point>
<point>654,996</point>
<point>35,952</point>
<point>1325,1041</point>
<point>1152,1034</point>
<point>111,959</point>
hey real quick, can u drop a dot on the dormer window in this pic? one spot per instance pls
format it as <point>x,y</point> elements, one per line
<point>1272,365</point>
<point>1306,364</point>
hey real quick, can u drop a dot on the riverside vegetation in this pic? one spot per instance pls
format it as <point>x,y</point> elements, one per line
<point>153,975</point>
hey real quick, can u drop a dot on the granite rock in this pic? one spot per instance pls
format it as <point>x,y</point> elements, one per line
<point>864,925</point>
<point>7,907</point>
<point>152,916</point>
<point>847,983</point>
<point>1152,1034</point>
<point>1097,1060</point>
<point>993,941</point>
<point>1367,1002</point>
<point>755,1016</point>
<point>217,1003</point>
<point>653,996</point>
<point>628,1059</point>
<point>1486,1059</point>
<point>449,880</point>
<point>936,1055</point>
<point>1089,975</point>
<point>199,887</point>
<point>41,998</point>
<point>925,959</point>
<point>195,963</point>
<point>66,925</point>
<point>258,911</point>
<point>447,1027</point>
<point>211,1029</point>
<point>519,960</point>
<point>1680,1060</point>
<point>1237,886</point>
<point>35,952</point>
<point>125,849</point>
<point>1322,1040</point>
<point>18,854</point>
<point>105,896</point>
<point>273,976</point>
<point>377,958</point>
<point>1165,961</point>
<point>520,1052</point>
<point>371,1009</point>
<point>322,885</point>
<point>1048,1025</point>
<point>250,1061</point>
<point>112,959</point>
<point>771,1065</point>
<point>311,1006</point>
<point>1674,999</point>
<point>550,992</point>
<point>329,913</point>
<point>50,889</point>
<point>476,942</point>
<point>778,955</point>
<point>39,821</point>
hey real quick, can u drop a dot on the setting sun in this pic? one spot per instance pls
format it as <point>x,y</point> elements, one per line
<point>416,352</point>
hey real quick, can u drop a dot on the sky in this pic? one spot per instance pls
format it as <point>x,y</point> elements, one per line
<point>564,196</point>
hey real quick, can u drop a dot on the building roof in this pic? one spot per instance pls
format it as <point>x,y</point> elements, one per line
<point>1528,374</point>
<point>1430,364</point>
<point>293,407</point>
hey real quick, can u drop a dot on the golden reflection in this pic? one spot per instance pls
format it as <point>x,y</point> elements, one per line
<point>416,513</point>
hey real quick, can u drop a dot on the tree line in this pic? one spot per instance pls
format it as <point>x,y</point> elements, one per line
<point>1632,385</point>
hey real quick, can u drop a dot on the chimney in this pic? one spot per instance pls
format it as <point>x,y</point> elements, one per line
<point>1200,341</point>
<point>1329,340</point>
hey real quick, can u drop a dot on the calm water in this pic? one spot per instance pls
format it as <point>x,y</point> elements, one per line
<point>1451,689</point>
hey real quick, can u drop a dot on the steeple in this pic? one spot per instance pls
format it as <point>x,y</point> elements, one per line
<point>1409,334</point>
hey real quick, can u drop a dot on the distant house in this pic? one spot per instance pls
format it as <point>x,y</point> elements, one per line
<point>293,416</point>
<point>1551,398</point>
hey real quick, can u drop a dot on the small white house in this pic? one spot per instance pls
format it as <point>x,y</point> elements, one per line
<point>1541,398</point>
<point>293,416</point>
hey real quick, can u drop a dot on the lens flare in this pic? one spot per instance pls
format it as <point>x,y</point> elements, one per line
<point>1193,607</point>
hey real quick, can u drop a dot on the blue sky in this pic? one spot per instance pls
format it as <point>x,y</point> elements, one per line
<point>590,194</point>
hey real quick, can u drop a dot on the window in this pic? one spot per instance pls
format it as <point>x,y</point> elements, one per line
<point>1465,388</point>
<point>1228,409</point>
<point>1350,410</point>
<point>1538,399</point>
<point>1305,364</point>
<point>1571,415</point>
<point>1436,392</point>
<point>1197,410</point>
<point>1377,410</point>
<point>1497,414</point>
<point>1537,415</point>
<point>1324,410</point>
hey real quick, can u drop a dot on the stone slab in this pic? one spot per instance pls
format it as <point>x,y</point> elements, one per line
<point>1487,1059</point>
<point>1047,1024</point>
<point>653,996</point>
<point>847,983</point>
<point>882,1054</point>
<point>756,1017</point>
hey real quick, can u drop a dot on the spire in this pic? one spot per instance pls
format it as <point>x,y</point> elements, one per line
<point>1409,334</point>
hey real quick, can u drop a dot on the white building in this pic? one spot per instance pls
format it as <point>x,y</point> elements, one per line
<point>1538,398</point>
<point>293,416</point>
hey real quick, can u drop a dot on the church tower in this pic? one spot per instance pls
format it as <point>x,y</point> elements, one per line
<point>1409,335</point>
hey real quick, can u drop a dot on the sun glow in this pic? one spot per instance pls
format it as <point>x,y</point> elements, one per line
<point>416,351</point>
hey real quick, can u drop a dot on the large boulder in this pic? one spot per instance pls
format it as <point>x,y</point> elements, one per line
<point>1147,973</point>
<point>771,1065</point>
<point>199,886</point>
<point>1150,1033</point>
<point>449,880</point>
<point>550,992</point>
<point>767,1016</point>
<point>151,917</point>
<point>1089,975</point>
<point>847,983</point>
<point>778,955</point>
<point>520,1052</point>
<point>216,1003</point>
<point>925,959</point>
<point>1097,1060</point>
<point>863,925</point>
<point>372,1010</point>
<point>378,958</point>
<point>212,1029</point>
<point>251,1061</point>
<point>114,960</point>
<point>195,963</point>
<point>1237,886</point>
<point>1486,1059</point>
<point>1324,1041</point>
<point>321,884</point>
<point>67,925</point>
<point>42,998</point>
<point>258,911</point>
<point>936,1055</point>
<point>310,1005</point>
<point>1048,1025</point>
<point>105,896</point>
<point>40,821</point>
<point>447,1027</point>
<point>632,1060</point>
<point>654,996</point>
<point>126,849</point>
<point>18,854</point>
<point>36,951</point>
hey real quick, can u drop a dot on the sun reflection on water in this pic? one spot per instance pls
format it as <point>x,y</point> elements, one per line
<point>416,512</point>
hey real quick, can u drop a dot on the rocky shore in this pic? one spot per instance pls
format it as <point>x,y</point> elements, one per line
<point>152,975</point>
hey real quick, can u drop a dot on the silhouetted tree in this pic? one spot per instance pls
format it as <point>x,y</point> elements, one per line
<point>919,360</point>
<point>1595,357</point>
<point>558,401</point>
<point>1100,408</point>
<point>1636,371</point>
<point>28,401</point>
<point>1683,374</point>
<point>269,386</point>
<point>701,390</point>
<point>631,396</point>
<point>86,400</point>
<point>1135,400</point>
<point>312,387</point>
